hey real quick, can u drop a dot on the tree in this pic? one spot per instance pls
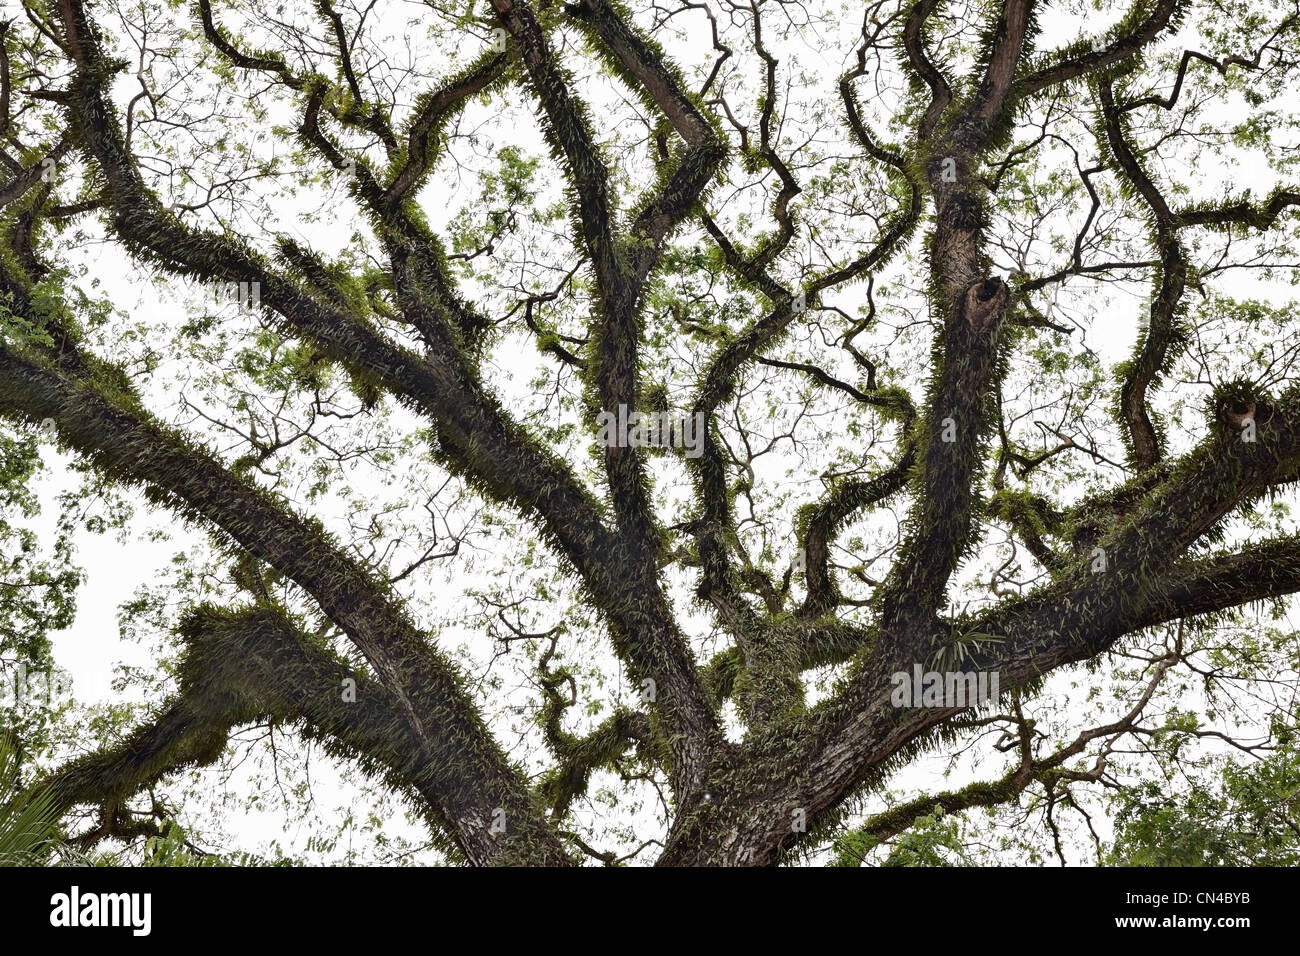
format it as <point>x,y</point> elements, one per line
<point>1247,822</point>
<point>817,421</point>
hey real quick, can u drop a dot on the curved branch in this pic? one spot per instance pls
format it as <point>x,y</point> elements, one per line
<point>1165,335</point>
<point>240,667</point>
<point>1127,40</point>
<point>914,44</point>
<point>123,442</point>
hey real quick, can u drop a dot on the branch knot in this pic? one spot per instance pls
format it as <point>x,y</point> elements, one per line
<point>984,303</point>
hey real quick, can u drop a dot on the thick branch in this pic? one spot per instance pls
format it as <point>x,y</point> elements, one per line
<point>914,44</point>
<point>956,424</point>
<point>1127,40</point>
<point>254,665</point>
<point>123,442</point>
